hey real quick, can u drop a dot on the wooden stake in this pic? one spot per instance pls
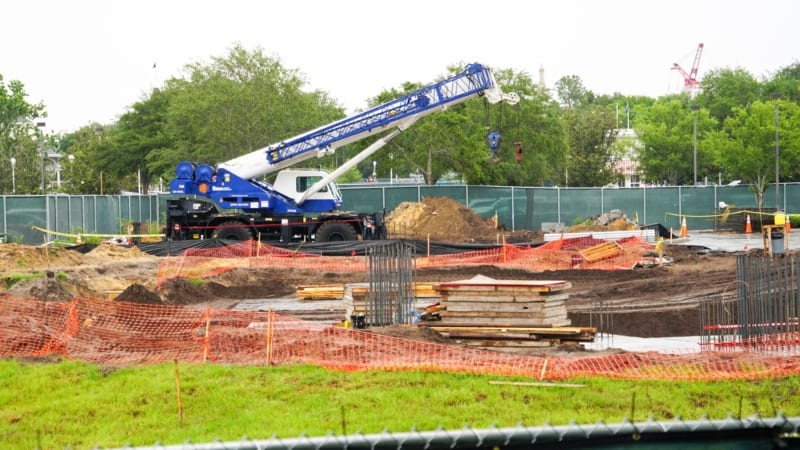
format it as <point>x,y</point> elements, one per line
<point>178,389</point>
<point>535,383</point>
<point>207,335</point>
<point>268,337</point>
<point>429,245</point>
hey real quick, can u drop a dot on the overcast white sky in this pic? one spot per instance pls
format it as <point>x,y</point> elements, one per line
<point>88,61</point>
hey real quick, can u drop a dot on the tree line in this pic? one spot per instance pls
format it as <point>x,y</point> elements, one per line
<point>244,100</point>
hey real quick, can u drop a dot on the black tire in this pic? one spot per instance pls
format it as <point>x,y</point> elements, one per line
<point>233,231</point>
<point>336,231</point>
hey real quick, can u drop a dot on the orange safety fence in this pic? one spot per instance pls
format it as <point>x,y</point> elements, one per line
<point>561,254</point>
<point>120,334</point>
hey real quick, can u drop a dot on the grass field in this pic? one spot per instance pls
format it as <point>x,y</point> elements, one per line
<point>65,404</point>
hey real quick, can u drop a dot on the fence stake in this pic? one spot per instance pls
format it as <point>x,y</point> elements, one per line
<point>178,389</point>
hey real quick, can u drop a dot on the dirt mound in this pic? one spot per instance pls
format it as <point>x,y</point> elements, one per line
<point>21,258</point>
<point>48,288</point>
<point>17,257</point>
<point>106,252</point>
<point>440,219</point>
<point>136,293</point>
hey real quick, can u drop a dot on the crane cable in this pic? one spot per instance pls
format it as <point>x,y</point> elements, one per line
<point>494,136</point>
<point>518,142</point>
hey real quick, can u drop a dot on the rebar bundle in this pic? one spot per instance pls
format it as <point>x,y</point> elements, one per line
<point>390,273</point>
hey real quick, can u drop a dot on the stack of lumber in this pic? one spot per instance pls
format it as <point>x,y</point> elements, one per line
<point>320,292</point>
<point>355,296</point>
<point>608,249</point>
<point>337,291</point>
<point>508,314</point>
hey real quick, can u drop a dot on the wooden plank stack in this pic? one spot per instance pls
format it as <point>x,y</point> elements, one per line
<point>511,315</point>
<point>608,249</point>
<point>354,296</point>
<point>320,292</point>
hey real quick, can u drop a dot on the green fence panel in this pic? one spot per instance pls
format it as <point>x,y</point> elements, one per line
<point>60,219</point>
<point>486,201</point>
<point>22,213</point>
<point>791,198</point>
<point>394,195</point>
<point>517,208</point>
<point>362,199</point>
<point>524,204</point>
<point>699,205</point>
<point>662,206</point>
<point>630,201</point>
<point>577,204</point>
<point>457,192</point>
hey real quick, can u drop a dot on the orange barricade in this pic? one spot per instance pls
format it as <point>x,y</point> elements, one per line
<point>561,254</point>
<point>127,334</point>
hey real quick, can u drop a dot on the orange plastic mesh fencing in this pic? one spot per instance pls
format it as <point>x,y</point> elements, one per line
<point>561,254</point>
<point>127,334</point>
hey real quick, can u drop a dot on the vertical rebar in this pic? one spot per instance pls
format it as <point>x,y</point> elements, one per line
<point>390,297</point>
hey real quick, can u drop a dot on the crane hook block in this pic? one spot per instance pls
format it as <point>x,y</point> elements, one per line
<point>494,144</point>
<point>493,140</point>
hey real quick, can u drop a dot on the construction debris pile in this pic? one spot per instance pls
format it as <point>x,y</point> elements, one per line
<point>614,220</point>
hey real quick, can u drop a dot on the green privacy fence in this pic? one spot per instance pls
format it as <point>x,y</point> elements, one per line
<point>23,215</point>
<point>529,207</point>
<point>517,208</point>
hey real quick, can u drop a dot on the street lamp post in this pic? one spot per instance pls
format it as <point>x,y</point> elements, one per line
<point>41,126</point>
<point>694,139</point>
<point>13,175</point>
<point>775,96</point>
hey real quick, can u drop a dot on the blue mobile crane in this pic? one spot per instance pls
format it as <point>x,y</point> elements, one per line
<point>229,202</point>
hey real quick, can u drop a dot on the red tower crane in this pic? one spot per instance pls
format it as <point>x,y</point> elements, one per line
<point>690,82</point>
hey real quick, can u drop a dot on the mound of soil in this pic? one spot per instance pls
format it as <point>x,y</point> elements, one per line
<point>48,288</point>
<point>443,219</point>
<point>136,293</point>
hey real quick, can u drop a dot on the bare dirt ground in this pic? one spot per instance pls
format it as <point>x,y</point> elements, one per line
<point>648,301</point>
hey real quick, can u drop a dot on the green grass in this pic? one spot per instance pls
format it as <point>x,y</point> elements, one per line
<point>11,279</point>
<point>71,404</point>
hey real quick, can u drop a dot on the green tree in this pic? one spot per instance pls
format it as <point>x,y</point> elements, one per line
<point>591,133</point>
<point>19,139</point>
<point>85,172</point>
<point>435,145</point>
<point>535,125</point>
<point>726,88</point>
<point>140,133</point>
<point>572,93</point>
<point>666,131</point>
<point>785,82</point>
<point>453,142</point>
<point>746,146</point>
<point>233,106</point>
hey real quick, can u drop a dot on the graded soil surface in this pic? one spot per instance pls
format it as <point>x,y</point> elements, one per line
<point>651,301</point>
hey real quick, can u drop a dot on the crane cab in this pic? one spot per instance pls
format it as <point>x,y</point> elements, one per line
<point>294,182</point>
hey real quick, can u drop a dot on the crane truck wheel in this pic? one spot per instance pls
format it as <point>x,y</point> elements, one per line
<point>233,231</point>
<point>336,231</point>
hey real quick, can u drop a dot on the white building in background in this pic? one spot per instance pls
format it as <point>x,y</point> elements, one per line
<point>626,164</point>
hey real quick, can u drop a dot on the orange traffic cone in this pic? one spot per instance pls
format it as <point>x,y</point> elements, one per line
<point>747,227</point>
<point>684,231</point>
<point>788,224</point>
